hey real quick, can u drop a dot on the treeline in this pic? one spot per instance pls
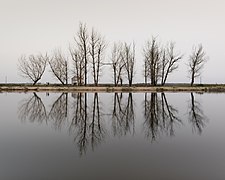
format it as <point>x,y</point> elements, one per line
<point>88,55</point>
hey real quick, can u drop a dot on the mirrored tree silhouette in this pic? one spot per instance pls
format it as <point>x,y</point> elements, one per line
<point>33,109</point>
<point>160,116</point>
<point>97,131</point>
<point>59,111</point>
<point>123,114</point>
<point>169,116</point>
<point>87,122</point>
<point>152,116</point>
<point>196,115</point>
<point>79,123</point>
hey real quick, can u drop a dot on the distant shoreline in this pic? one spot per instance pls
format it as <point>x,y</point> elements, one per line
<point>111,88</point>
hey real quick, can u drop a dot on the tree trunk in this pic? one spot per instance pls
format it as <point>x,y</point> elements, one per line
<point>192,79</point>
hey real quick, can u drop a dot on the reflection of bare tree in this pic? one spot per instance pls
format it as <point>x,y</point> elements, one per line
<point>88,128</point>
<point>196,115</point>
<point>169,115</point>
<point>33,109</point>
<point>122,114</point>
<point>96,130</point>
<point>160,116</point>
<point>79,124</point>
<point>152,118</point>
<point>59,110</point>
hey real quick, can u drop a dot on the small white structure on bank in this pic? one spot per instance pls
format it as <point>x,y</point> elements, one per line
<point>77,81</point>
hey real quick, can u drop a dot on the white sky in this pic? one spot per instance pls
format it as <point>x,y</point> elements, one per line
<point>33,26</point>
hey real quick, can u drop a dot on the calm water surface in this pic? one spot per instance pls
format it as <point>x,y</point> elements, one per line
<point>112,136</point>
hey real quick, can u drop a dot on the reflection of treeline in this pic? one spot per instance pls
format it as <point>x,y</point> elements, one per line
<point>123,116</point>
<point>160,116</point>
<point>84,117</point>
<point>87,54</point>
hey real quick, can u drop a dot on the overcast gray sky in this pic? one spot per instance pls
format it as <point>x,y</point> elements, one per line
<point>33,26</point>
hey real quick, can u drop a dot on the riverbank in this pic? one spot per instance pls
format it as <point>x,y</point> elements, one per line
<point>110,88</point>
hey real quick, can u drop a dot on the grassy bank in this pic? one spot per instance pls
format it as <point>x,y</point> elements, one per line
<point>111,88</point>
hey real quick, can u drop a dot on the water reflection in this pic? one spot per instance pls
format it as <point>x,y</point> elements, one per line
<point>84,118</point>
<point>59,111</point>
<point>197,117</point>
<point>32,109</point>
<point>86,124</point>
<point>123,114</point>
<point>160,116</point>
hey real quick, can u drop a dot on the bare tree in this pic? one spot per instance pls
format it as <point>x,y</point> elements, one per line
<point>152,58</point>
<point>117,63</point>
<point>169,62</point>
<point>196,62</point>
<point>79,66</point>
<point>129,61</point>
<point>59,66</point>
<point>33,67</point>
<point>83,46</point>
<point>97,48</point>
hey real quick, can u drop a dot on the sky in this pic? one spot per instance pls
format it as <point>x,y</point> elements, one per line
<point>39,26</point>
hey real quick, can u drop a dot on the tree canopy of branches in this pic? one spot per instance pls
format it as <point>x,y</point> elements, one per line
<point>33,67</point>
<point>129,61</point>
<point>169,62</point>
<point>96,51</point>
<point>82,41</point>
<point>78,66</point>
<point>196,62</point>
<point>117,63</point>
<point>159,62</point>
<point>152,55</point>
<point>59,66</point>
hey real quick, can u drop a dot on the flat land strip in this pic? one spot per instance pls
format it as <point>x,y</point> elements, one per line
<point>111,88</point>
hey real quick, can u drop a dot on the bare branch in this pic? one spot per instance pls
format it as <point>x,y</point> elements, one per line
<point>34,67</point>
<point>117,63</point>
<point>128,57</point>
<point>59,66</point>
<point>196,62</point>
<point>96,50</point>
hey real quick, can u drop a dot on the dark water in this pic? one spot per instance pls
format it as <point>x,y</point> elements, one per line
<point>112,136</point>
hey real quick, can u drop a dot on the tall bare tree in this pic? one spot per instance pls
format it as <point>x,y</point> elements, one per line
<point>59,66</point>
<point>152,58</point>
<point>196,62</point>
<point>78,66</point>
<point>97,49</point>
<point>129,61</point>
<point>169,62</point>
<point>117,63</point>
<point>33,67</point>
<point>82,41</point>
